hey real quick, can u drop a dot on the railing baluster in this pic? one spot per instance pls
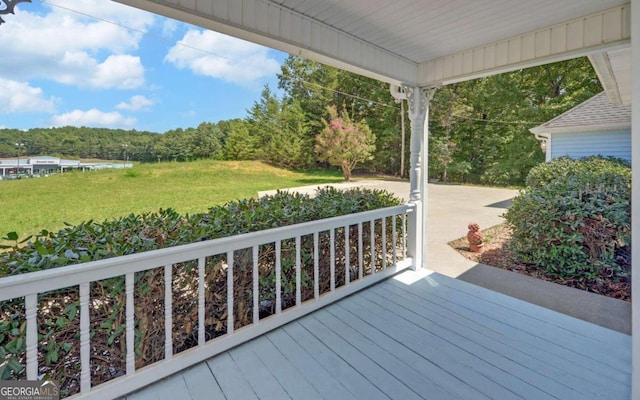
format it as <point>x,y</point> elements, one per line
<point>31,311</point>
<point>256,286</point>
<point>298,272</point>
<point>230,322</point>
<point>383,222</point>
<point>347,266</point>
<point>372,224</point>
<point>316,266</point>
<point>130,323</point>
<point>168,312</point>
<point>360,252</point>
<point>85,337</point>
<point>404,235</point>
<point>332,251</point>
<point>278,277</point>
<point>201,305</point>
<point>394,239</point>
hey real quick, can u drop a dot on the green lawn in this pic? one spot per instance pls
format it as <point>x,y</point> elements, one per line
<point>30,205</point>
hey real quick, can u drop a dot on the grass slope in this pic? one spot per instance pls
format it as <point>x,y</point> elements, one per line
<point>30,205</point>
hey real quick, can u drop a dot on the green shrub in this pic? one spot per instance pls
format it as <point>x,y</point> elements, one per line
<point>58,316</point>
<point>542,174</point>
<point>573,218</point>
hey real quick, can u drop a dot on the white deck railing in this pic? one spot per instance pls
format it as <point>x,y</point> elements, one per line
<point>376,257</point>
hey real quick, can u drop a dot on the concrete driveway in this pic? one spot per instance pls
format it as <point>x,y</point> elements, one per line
<point>451,209</point>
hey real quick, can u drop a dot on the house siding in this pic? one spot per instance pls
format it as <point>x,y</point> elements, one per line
<point>583,144</point>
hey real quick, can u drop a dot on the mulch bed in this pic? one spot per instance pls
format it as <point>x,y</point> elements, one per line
<point>496,253</point>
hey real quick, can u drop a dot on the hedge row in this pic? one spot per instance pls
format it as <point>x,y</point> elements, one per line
<point>136,233</point>
<point>58,313</point>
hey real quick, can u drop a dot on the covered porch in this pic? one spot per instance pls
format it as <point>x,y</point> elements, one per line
<point>418,46</point>
<point>386,327</point>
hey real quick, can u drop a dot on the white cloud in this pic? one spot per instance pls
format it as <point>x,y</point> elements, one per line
<point>73,48</point>
<point>169,27</point>
<point>93,117</point>
<point>219,56</point>
<point>136,103</point>
<point>119,71</point>
<point>19,97</point>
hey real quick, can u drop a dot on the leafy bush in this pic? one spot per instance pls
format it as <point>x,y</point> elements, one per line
<point>543,174</point>
<point>58,316</point>
<point>574,218</point>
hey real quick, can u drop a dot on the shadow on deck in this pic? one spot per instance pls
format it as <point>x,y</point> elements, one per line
<point>419,335</point>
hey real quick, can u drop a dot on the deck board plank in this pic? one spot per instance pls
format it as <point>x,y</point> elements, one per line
<point>173,387</point>
<point>373,373</point>
<point>548,334</point>
<point>545,320</point>
<point>467,367</point>
<point>427,369</point>
<point>231,380</point>
<point>528,376</point>
<point>323,382</point>
<point>201,383</point>
<point>340,369</point>
<point>257,373</point>
<point>435,338</point>
<point>556,369</point>
<point>394,365</point>
<point>284,371</point>
<point>545,337</point>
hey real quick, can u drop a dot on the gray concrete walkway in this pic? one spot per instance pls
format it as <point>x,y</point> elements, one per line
<point>450,209</point>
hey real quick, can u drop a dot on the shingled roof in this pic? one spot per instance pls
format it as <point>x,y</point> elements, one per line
<point>597,113</point>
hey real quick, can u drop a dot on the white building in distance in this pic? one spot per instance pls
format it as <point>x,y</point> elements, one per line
<point>43,165</point>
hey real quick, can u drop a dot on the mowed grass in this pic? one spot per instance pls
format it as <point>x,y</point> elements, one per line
<point>31,205</point>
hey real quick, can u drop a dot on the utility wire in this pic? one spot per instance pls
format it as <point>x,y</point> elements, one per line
<point>146,33</point>
<point>494,121</point>
<point>347,94</point>
<point>181,43</point>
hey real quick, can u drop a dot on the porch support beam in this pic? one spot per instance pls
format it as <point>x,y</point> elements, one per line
<point>635,196</point>
<point>418,99</point>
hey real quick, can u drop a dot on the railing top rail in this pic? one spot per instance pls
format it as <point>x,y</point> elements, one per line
<point>57,278</point>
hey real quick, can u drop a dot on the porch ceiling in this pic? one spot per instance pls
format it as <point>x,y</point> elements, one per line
<point>423,42</point>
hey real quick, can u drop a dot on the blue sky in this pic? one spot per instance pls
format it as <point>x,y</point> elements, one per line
<point>98,63</point>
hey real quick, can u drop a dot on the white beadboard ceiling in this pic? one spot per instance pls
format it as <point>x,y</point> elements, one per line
<point>420,30</point>
<point>417,42</point>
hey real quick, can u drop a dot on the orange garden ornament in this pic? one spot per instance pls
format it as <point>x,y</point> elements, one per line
<point>474,236</point>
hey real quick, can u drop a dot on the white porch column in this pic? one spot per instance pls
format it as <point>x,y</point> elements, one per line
<point>418,114</point>
<point>635,196</point>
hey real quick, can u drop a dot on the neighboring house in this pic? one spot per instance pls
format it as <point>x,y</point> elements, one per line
<point>595,127</point>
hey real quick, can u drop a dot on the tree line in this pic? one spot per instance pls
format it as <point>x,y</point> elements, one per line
<point>479,130</point>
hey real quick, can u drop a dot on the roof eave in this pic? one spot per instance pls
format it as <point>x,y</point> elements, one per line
<point>541,130</point>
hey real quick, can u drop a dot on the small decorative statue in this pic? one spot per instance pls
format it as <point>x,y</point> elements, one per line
<point>474,236</point>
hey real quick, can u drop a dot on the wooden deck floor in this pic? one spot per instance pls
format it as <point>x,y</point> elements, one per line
<point>435,338</point>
